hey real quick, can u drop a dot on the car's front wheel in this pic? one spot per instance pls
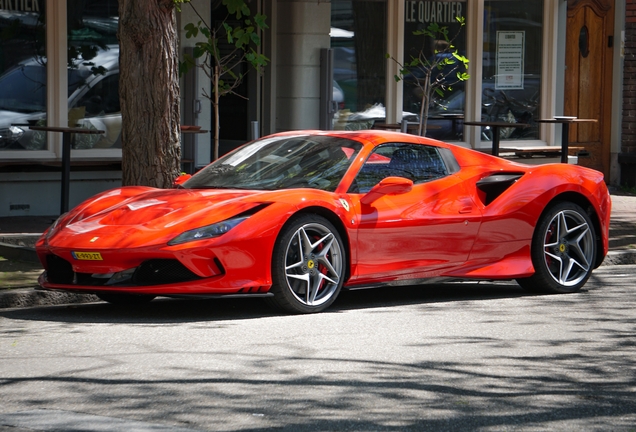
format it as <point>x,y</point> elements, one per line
<point>308,265</point>
<point>563,250</point>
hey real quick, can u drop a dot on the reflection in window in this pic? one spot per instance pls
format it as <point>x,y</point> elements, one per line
<point>92,68</point>
<point>418,163</point>
<point>94,49</point>
<point>447,109</point>
<point>358,39</point>
<point>512,66</point>
<point>22,73</point>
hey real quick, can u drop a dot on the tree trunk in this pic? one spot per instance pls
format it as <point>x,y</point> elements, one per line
<point>149,93</point>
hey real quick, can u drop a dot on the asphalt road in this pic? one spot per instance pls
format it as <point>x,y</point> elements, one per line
<point>485,357</point>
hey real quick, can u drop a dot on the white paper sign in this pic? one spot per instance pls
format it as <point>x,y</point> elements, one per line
<point>510,54</point>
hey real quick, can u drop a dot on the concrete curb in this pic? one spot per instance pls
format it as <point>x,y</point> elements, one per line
<point>27,297</point>
<point>14,247</point>
<point>18,253</point>
<point>620,257</point>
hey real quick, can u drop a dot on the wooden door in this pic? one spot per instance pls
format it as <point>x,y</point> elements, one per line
<point>588,78</point>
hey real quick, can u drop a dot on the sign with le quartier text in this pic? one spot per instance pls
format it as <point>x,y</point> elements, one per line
<point>20,5</point>
<point>441,12</point>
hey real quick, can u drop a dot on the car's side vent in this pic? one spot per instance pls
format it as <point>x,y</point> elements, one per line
<point>494,185</point>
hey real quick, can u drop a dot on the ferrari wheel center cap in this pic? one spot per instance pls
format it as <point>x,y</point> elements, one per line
<point>310,264</point>
<point>562,247</point>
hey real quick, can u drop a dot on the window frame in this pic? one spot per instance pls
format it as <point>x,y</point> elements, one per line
<point>396,172</point>
<point>551,70</point>
<point>57,99</point>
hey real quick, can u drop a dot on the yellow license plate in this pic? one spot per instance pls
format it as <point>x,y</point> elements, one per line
<point>87,256</point>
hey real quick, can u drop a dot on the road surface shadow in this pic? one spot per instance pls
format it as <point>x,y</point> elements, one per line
<point>167,310</point>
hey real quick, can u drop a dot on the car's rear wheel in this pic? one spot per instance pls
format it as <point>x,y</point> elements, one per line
<point>122,299</point>
<point>308,265</point>
<point>563,250</point>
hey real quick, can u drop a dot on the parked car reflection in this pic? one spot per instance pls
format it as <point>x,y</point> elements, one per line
<point>446,115</point>
<point>93,101</point>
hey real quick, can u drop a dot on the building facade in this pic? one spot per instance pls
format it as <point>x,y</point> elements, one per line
<point>332,65</point>
<point>627,156</point>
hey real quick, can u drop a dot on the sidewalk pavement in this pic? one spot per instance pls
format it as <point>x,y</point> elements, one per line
<point>19,266</point>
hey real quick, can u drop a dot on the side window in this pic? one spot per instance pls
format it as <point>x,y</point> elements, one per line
<point>102,98</point>
<point>98,109</point>
<point>419,163</point>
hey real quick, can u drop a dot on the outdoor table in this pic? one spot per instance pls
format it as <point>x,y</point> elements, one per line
<point>410,126</point>
<point>67,133</point>
<point>185,129</point>
<point>453,117</point>
<point>495,125</point>
<point>565,131</point>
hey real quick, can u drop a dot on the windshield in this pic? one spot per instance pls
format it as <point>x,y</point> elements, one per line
<point>300,161</point>
<point>24,89</point>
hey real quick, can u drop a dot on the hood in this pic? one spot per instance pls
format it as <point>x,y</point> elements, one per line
<point>138,217</point>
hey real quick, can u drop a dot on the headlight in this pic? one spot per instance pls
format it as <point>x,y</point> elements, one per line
<point>207,232</point>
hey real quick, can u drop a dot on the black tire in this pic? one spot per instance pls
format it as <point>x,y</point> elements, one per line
<point>563,250</point>
<point>121,299</point>
<point>308,265</point>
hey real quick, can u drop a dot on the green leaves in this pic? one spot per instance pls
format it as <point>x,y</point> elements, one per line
<point>187,64</point>
<point>238,8</point>
<point>259,20</point>
<point>462,76</point>
<point>433,74</point>
<point>178,3</point>
<point>192,30</point>
<point>461,58</point>
<point>242,34</point>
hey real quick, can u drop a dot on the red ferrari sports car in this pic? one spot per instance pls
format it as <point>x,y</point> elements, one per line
<point>298,216</point>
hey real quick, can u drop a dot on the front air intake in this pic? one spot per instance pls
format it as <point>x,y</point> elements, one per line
<point>58,270</point>
<point>162,271</point>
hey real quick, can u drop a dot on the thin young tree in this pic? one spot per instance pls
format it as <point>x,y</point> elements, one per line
<point>241,31</point>
<point>434,74</point>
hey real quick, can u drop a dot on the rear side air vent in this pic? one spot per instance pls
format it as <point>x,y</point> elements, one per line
<point>496,184</point>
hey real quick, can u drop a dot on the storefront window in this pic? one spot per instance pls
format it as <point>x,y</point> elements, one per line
<point>446,107</point>
<point>358,39</point>
<point>93,52</point>
<point>22,72</point>
<point>93,73</point>
<point>512,59</point>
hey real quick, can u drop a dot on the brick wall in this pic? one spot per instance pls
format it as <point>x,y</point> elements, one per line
<point>629,83</point>
<point>630,15</point>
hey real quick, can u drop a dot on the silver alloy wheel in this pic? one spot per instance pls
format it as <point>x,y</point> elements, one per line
<point>568,248</point>
<point>313,264</point>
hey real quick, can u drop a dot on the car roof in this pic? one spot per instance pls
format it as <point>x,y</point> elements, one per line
<point>370,137</point>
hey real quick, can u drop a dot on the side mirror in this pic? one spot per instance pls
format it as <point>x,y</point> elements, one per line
<point>181,179</point>
<point>388,186</point>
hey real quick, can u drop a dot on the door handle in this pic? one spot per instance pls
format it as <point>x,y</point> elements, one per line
<point>467,209</point>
